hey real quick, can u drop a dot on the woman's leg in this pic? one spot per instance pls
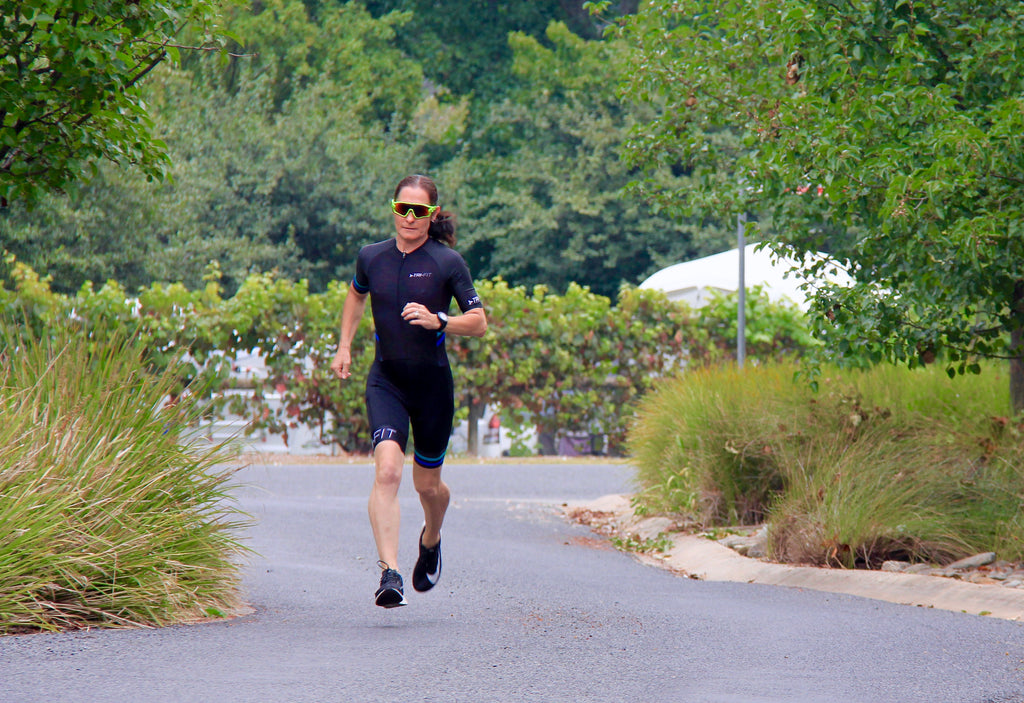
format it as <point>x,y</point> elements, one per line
<point>432,429</point>
<point>434,497</point>
<point>385,514</point>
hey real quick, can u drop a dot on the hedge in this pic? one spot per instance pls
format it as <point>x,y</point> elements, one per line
<point>561,363</point>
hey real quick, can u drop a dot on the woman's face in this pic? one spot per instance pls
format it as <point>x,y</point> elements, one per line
<point>412,231</point>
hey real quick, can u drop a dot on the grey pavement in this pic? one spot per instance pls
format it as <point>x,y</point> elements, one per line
<point>530,608</point>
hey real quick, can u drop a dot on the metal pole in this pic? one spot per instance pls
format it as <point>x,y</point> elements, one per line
<point>741,321</point>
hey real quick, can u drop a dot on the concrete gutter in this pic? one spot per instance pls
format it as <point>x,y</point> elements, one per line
<point>702,558</point>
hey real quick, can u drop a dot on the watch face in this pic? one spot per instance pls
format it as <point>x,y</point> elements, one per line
<point>442,316</point>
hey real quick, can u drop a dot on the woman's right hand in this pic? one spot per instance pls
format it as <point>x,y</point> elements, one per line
<point>342,362</point>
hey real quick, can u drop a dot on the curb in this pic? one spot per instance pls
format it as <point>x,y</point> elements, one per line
<point>707,560</point>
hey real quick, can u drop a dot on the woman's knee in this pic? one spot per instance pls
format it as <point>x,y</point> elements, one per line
<point>430,490</point>
<point>429,484</point>
<point>389,476</point>
<point>389,463</point>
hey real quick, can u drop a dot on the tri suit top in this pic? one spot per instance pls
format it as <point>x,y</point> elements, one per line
<point>430,275</point>
<point>410,380</point>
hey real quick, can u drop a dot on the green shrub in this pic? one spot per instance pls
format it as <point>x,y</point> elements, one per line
<point>704,442</point>
<point>887,463</point>
<point>111,514</point>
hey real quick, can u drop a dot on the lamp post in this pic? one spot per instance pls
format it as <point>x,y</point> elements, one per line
<point>741,321</point>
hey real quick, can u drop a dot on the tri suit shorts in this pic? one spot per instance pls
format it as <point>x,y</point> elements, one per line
<point>401,392</point>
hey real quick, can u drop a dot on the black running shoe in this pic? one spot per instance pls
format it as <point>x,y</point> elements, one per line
<point>428,566</point>
<point>390,594</point>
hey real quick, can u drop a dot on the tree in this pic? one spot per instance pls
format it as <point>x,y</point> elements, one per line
<point>297,43</point>
<point>900,124</point>
<point>539,186</point>
<point>69,82</point>
<point>120,226</point>
<point>257,183</point>
<point>464,46</point>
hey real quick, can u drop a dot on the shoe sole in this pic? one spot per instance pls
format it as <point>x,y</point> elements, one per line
<point>391,599</point>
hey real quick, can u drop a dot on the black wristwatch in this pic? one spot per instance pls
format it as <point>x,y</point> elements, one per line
<point>443,319</point>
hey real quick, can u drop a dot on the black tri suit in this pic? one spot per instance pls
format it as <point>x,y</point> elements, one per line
<point>410,380</point>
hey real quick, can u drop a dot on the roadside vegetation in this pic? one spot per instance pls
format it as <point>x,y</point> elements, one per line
<point>887,463</point>
<point>112,515</point>
<point>558,363</point>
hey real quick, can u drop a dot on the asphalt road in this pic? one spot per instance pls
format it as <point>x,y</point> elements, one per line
<point>529,608</point>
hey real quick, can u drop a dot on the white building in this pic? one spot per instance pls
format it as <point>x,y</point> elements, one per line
<point>696,281</point>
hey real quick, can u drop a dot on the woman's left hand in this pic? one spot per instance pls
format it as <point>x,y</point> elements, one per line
<point>419,315</point>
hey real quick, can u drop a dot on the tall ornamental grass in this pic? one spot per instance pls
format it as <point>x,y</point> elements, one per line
<point>887,463</point>
<point>110,513</point>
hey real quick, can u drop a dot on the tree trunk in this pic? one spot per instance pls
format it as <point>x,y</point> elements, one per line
<point>1017,371</point>
<point>476,413</point>
<point>1017,353</point>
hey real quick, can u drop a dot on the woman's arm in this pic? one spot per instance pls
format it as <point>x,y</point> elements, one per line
<point>351,314</point>
<point>472,323</point>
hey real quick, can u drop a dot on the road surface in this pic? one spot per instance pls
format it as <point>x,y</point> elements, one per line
<point>529,608</point>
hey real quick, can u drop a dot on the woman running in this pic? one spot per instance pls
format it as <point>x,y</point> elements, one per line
<point>411,280</point>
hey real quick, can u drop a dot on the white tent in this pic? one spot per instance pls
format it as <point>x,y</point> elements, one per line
<point>695,281</point>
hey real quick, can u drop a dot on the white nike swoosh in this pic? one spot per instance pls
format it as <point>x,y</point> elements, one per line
<point>432,577</point>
